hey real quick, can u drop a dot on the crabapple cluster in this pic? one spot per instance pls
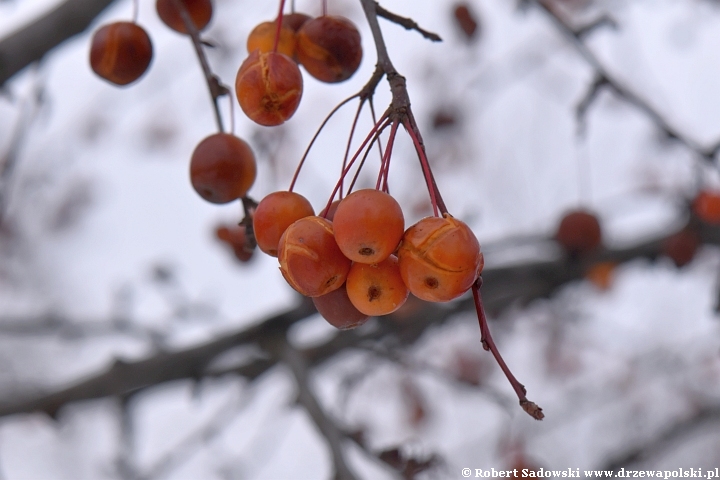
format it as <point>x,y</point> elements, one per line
<point>269,83</point>
<point>358,260</point>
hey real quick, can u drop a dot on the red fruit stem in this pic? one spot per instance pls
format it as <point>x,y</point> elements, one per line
<point>317,133</point>
<point>213,82</point>
<point>279,26</point>
<point>135,11</point>
<point>489,344</point>
<point>371,137</point>
<point>374,119</point>
<point>324,8</point>
<point>349,142</point>
<point>365,156</point>
<point>385,162</point>
<point>429,180</point>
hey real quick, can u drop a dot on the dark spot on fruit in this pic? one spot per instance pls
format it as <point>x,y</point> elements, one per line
<point>366,251</point>
<point>431,282</point>
<point>374,293</point>
<point>331,280</point>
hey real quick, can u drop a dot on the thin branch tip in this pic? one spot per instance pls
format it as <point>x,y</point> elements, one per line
<point>532,409</point>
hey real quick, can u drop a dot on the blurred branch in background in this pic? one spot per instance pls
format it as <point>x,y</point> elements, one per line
<point>32,42</point>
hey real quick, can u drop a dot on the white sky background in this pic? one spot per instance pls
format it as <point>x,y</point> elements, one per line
<point>637,357</point>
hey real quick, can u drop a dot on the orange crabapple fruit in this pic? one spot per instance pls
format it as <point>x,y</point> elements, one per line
<point>268,87</point>
<point>222,168</point>
<point>200,12</point>
<point>310,259</point>
<point>439,258</point>
<point>329,47</point>
<point>368,225</point>
<point>262,38</point>
<point>579,232</point>
<point>376,289</point>
<point>707,206</point>
<point>274,214</point>
<point>338,310</point>
<point>120,52</point>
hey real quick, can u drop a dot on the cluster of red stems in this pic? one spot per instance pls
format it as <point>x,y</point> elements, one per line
<point>356,259</point>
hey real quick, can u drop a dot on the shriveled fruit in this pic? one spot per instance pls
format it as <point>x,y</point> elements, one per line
<point>120,52</point>
<point>262,38</point>
<point>235,237</point>
<point>707,206</point>
<point>274,214</point>
<point>466,21</point>
<point>681,246</point>
<point>377,289</point>
<point>439,258</point>
<point>268,87</point>
<point>368,225</point>
<point>200,12</point>
<point>310,259</point>
<point>579,232</point>
<point>222,168</point>
<point>329,47</point>
<point>338,310</point>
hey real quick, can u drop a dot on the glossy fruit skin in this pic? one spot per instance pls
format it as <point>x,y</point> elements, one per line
<point>262,38</point>
<point>274,214</point>
<point>369,225</point>
<point>707,206</point>
<point>236,238</point>
<point>579,232</point>
<point>681,247</point>
<point>439,258</point>
<point>338,310</point>
<point>329,47</point>
<point>222,168</point>
<point>310,259</point>
<point>377,289</point>
<point>120,52</point>
<point>200,12</point>
<point>268,87</point>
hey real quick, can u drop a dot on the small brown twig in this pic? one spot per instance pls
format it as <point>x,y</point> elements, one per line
<point>407,23</point>
<point>216,88</point>
<point>488,344</point>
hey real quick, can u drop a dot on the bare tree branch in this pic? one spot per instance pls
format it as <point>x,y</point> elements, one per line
<point>33,41</point>
<point>407,23</point>
<point>575,38</point>
<point>334,436</point>
<point>503,287</point>
<point>657,445</point>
